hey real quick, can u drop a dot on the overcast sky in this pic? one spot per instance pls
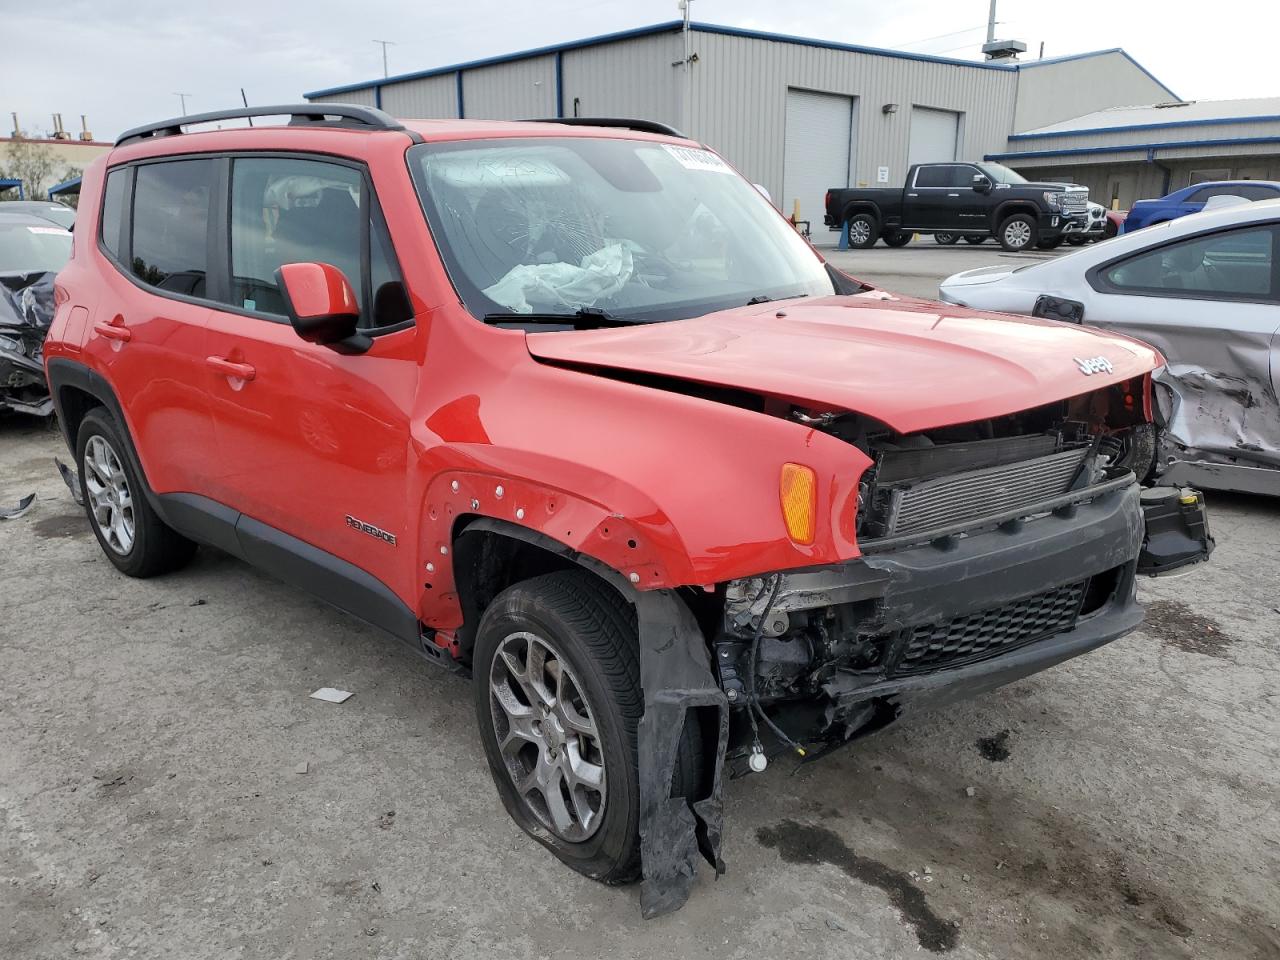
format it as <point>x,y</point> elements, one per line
<point>121,61</point>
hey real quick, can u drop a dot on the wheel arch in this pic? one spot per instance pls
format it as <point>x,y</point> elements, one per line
<point>855,207</point>
<point>1008,209</point>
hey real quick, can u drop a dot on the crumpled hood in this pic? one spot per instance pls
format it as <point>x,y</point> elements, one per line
<point>912,364</point>
<point>26,304</point>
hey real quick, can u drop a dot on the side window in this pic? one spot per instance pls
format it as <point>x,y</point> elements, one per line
<point>288,210</point>
<point>113,198</point>
<point>934,175</point>
<point>171,225</point>
<point>1234,265</point>
<point>960,176</point>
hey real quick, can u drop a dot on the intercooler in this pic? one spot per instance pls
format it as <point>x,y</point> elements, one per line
<point>974,494</point>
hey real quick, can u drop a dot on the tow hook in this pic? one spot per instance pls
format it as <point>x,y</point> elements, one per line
<point>1176,530</point>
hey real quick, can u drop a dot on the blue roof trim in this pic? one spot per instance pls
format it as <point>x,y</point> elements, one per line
<point>1212,122</point>
<point>848,47</point>
<point>672,26</point>
<point>66,186</point>
<point>667,27</point>
<point>1130,147</point>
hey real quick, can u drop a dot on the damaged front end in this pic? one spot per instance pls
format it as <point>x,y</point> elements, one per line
<point>26,311</point>
<point>989,551</point>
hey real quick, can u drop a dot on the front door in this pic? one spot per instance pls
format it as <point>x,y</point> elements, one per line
<point>313,440</point>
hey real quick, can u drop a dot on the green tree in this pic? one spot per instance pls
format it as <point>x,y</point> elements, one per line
<point>32,163</point>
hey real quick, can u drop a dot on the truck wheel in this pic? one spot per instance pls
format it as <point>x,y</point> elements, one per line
<point>134,538</point>
<point>1018,232</point>
<point>946,239</point>
<point>1049,243</point>
<point>975,239</point>
<point>896,238</point>
<point>558,700</point>
<point>862,231</point>
<point>1078,239</point>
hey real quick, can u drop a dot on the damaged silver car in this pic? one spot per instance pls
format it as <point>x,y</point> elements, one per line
<point>1204,290</point>
<point>32,251</point>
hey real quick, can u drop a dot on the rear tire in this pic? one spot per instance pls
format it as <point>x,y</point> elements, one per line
<point>134,538</point>
<point>1018,232</point>
<point>946,239</point>
<point>863,230</point>
<point>589,631</point>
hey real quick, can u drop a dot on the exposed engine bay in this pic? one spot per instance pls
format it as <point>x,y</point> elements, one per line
<point>26,310</point>
<point>799,649</point>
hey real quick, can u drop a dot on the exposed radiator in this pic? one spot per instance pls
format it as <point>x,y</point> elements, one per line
<point>974,494</point>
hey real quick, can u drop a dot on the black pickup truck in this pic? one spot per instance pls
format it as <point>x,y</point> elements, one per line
<point>953,200</point>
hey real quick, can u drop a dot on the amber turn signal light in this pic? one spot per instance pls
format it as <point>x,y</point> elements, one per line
<point>798,494</point>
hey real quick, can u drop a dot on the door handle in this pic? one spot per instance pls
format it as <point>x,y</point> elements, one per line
<point>113,331</point>
<point>913,194</point>
<point>229,368</point>
<point>953,194</point>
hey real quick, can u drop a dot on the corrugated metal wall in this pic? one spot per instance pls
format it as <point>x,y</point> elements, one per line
<point>1122,138</point>
<point>426,98</point>
<point>631,78</point>
<point>511,91</point>
<point>740,91</point>
<point>364,97</point>
<point>1051,92</point>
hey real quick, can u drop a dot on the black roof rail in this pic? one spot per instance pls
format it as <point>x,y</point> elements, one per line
<point>348,115</point>
<point>644,126</point>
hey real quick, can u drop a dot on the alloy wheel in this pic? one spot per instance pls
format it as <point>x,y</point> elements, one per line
<point>110,499</point>
<point>859,231</point>
<point>1018,233</point>
<point>547,736</point>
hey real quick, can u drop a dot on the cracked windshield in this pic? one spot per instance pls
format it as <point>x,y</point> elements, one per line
<point>627,229</point>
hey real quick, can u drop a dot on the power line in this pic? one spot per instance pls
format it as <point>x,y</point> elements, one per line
<point>941,36</point>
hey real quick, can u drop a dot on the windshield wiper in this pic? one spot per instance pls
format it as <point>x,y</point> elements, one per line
<point>763,299</point>
<point>583,317</point>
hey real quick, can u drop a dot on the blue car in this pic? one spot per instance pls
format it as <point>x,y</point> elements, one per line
<point>1192,200</point>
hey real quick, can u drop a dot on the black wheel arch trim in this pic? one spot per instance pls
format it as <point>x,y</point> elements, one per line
<point>1011,208</point>
<point>676,677</point>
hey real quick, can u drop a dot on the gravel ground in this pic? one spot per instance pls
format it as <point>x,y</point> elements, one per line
<point>1121,805</point>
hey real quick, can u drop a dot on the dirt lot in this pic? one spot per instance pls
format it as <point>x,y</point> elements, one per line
<point>1123,805</point>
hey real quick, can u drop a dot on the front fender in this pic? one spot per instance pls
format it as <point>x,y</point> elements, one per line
<point>607,520</point>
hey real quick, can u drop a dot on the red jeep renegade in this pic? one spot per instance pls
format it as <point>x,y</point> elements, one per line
<point>569,407</point>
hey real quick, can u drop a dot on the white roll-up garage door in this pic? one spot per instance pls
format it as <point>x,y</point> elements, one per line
<point>817,154</point>
<point>933,135</point>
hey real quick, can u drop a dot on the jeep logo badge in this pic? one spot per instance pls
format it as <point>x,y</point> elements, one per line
<point>1093,365</point>
<point>371,530</point>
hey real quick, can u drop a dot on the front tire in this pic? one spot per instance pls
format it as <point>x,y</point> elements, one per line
<point>862,231</point>
<point>558,700</point>
<point>975,239</point>
<point>946,239</point>
<point>1018,232</point>
<point>134,538</point>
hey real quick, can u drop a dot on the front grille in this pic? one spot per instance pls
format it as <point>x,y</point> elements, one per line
<point>988,633</point>
<point>1075,202</point>
<point>974,494</point>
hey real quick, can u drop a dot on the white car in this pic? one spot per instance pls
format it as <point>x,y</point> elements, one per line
<point>1205,290</point>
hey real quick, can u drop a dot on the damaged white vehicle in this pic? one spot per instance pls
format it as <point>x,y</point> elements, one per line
<point>1203,289</point>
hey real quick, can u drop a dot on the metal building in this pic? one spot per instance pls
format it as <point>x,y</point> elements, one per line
<point>1128,153</point>
<point>794,114</point>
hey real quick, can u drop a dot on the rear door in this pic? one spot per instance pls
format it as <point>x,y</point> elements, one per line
<point>148,325</point>
<point>935,200</point>
<point>313,440</point>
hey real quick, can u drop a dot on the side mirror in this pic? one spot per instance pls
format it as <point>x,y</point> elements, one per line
<point>322,306</point>
<point>981,184</point>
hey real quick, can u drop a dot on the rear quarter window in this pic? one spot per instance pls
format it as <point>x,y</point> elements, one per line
<point>113,201</point>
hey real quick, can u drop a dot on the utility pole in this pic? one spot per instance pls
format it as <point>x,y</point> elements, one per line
<point>991,23</point>
<point>385,44</point>
<point>182,98</point>
<point>684,6</point>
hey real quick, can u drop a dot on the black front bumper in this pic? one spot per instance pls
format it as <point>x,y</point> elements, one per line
<point>1062,224</point>
<point>944,600</point>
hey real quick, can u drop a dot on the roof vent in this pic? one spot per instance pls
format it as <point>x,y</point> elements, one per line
<point>1003,49</point>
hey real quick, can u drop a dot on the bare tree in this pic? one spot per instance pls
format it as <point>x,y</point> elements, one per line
<point>32,163</point>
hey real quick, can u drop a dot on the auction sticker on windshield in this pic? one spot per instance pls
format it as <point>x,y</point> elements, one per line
<point>56,231</point>
<point>695,159</point>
